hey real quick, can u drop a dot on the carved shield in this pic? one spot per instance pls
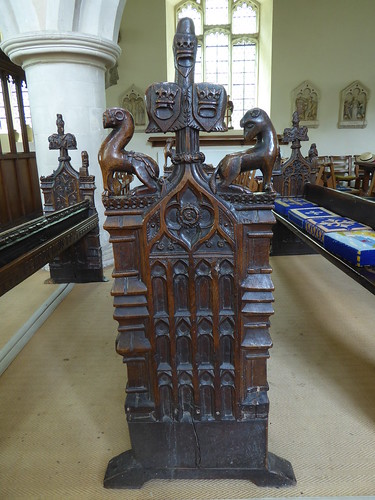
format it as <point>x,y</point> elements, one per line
<point>209,102</point>
<point>163,101</point>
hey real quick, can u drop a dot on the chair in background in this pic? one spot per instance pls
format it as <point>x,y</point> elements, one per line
<point>343,170</point>
<point>371,189</point>
<point>361,182</point>
<point>248,180</point>
<point>325,173</point>
<point>365,181</point>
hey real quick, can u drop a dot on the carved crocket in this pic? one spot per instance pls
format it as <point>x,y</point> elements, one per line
<point>114,158</point>
<point>262,156</point>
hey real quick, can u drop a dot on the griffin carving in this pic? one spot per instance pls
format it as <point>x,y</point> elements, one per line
<point>262,156</point>
<point>114,158</point>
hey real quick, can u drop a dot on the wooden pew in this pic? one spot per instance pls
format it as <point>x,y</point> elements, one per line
<point>295,179</point>
<point>344,204</point>
<point>66,236</point>
<point>289,179</point>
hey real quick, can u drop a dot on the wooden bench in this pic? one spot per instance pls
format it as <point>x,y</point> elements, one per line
<point>66,236</point>
<point>295,179</point>
<point>344,204</point>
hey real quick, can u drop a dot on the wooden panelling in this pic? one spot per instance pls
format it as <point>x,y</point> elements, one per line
<point>19,189</point>
<point>20,198</point>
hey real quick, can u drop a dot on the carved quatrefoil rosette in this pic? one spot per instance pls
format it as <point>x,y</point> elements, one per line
<point>189,217</point>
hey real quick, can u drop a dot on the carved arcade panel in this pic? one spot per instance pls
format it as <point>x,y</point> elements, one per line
<point>193,307</point>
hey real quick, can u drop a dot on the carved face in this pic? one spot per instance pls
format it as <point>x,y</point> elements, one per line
<point>185,46</point>
<point>253,122</point>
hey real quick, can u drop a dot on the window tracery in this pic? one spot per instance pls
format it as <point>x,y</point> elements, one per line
<point>228,33</point>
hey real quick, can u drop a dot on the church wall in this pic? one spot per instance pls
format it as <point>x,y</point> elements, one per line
<point>329,43</point>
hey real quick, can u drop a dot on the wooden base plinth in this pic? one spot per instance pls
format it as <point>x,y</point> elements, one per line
<point>124,472</point>
<point>198,450</point>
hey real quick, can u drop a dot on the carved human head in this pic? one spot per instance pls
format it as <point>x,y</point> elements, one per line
<point>185,46</point>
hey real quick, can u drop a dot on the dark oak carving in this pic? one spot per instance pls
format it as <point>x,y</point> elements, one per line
<point>291,177</point>
<point>81,262</point>
<point>193,297</point>
<point>66,236</point>
<point>30,246</point>
<point>262,156</point>
<point>113,158</point>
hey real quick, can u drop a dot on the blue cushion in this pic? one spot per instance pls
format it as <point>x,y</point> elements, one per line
<point>299,216</point>
<point>320,226</point>
<point>283,205</point>
<point>357,247</point>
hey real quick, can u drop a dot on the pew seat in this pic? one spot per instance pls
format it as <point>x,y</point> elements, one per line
<point>313,218</point>
<point>342,236</point>
<point>338,225</point>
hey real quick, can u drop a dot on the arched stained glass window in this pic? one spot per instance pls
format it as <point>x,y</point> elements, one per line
<point>228,33</point>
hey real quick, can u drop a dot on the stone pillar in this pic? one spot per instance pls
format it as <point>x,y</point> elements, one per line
<point>65,47</point>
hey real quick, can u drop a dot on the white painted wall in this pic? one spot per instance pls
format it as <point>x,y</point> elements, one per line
<point>330,43</point>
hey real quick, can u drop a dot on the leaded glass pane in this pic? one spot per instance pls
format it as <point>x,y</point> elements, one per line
<point>243,79</point>
<point>14,106</point>
<point>26,104</point>
<point>216,12</point>
<point>244,19</point>
<point>217,58</point>
<point>221,54</point>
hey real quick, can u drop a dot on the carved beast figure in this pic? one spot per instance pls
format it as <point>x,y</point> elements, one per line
<point>262,156</point>
<point>113,157</point>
